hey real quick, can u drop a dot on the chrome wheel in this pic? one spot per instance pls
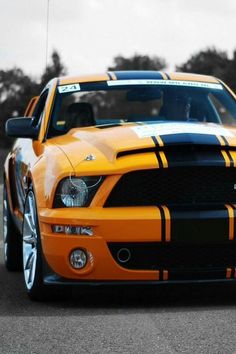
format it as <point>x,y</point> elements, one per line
<point>29,241</point>
<point>5,226</point>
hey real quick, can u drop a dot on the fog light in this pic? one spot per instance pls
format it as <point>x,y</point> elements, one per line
<point>78,259</point>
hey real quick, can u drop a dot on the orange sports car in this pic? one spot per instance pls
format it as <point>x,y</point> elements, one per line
<point>124,177</point>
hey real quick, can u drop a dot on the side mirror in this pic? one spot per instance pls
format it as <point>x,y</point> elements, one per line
<point>21,128</point>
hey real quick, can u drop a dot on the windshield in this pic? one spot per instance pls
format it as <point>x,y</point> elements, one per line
<point>140,101</point>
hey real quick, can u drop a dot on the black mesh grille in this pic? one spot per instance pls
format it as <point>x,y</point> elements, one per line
<point>175,186</point>
<point>177,256</point>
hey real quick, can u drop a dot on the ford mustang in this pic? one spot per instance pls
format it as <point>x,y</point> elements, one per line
<point>122,178</point>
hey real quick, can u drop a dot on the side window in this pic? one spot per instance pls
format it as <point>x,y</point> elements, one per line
<point>39,109</point>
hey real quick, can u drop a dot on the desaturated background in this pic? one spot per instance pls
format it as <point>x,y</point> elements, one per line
<point>88,34</point>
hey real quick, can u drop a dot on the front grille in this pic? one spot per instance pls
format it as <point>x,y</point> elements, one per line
<point>175,186</point>
<point>178,256</point>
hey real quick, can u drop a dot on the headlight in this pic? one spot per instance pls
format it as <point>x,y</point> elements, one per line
<point>76,191</point>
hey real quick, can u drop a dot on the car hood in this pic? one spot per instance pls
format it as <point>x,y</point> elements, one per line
<point>109,142</point>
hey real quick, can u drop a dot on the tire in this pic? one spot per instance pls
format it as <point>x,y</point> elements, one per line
<point>11,238</point>
<point>32,252</point>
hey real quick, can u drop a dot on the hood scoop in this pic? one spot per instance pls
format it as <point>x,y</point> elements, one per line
<point>180,149</point>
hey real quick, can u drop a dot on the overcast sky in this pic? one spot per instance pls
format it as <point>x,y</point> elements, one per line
<point>88,34</point>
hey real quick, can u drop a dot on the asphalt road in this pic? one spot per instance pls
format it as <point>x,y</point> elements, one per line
<point>174,319</point>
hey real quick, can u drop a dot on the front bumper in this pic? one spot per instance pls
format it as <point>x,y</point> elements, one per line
<point>142,225</point>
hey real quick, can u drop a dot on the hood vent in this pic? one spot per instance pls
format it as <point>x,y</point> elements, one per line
<point>180,148</point>
<point>135,152</point>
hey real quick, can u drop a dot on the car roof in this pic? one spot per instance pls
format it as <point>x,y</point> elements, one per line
<point>136,75</point>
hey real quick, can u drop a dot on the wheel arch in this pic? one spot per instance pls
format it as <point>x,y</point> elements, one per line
<point>8,180</point>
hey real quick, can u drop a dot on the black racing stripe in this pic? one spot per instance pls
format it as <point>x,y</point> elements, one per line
<point>168,76</point>
<point>199,226</point>
<point>193,155</point>
<point>129,75</point>
<point>190,138</point>
<point>110,77</point>
<point>225,141</point>
<point>157,153</point>
<point>230,158</point>
<point>159,160</point>
<point>160,274</point>
<point>163,224</point>
<point>155,140</point>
